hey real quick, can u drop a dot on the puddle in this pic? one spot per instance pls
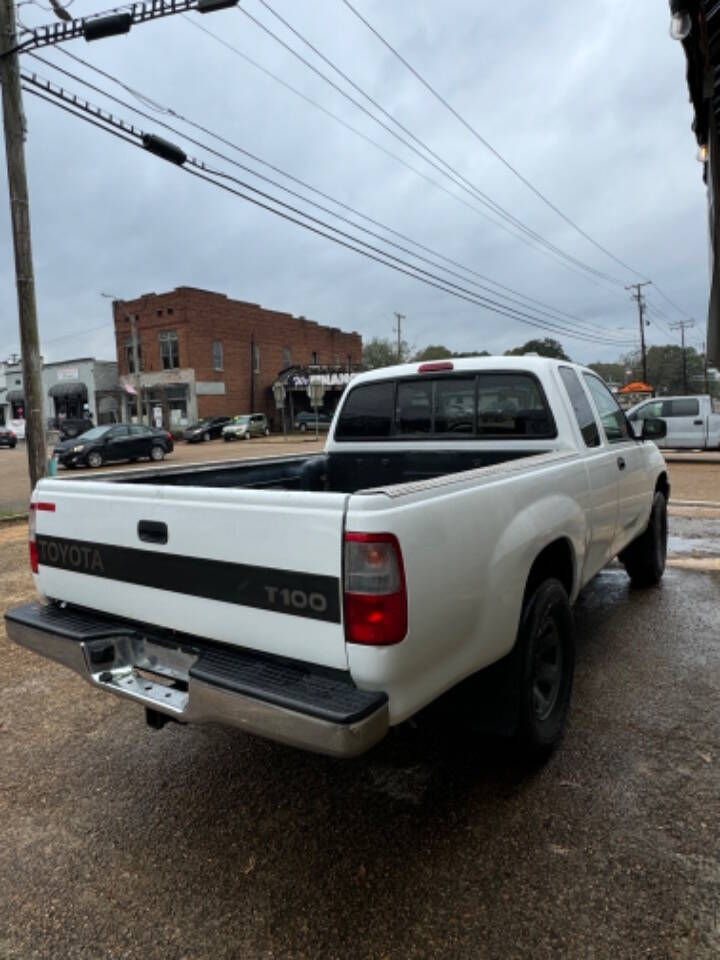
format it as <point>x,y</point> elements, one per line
<point>693,546</point>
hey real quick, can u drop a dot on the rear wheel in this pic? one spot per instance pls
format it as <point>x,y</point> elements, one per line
<point>157,452</point>
<point>303,428</point>
<point>266,431</point>
<point>546,647</point>
<point>95,459</point>
<point>206,436</point>
<point>644,559</point>
<point>226,438</point>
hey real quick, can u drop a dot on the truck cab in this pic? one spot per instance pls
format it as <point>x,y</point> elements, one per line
<point>691,424</point>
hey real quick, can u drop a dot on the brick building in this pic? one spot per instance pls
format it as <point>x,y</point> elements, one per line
<point>202,354</point>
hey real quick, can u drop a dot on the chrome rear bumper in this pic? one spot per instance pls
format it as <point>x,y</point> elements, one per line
<point>190,680</point>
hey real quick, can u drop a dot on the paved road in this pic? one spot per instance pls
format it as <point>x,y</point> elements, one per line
<point>122,842</point>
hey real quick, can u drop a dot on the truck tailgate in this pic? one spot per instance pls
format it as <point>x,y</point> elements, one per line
<point>259,569</point>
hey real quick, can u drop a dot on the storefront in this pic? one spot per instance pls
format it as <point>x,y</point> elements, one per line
<point>69,399</point>
<point>296,381</point>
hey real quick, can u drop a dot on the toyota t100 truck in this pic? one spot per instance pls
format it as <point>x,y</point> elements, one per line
<point>446,529</point>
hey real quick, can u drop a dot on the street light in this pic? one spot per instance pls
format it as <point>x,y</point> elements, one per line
<point>136,353</point>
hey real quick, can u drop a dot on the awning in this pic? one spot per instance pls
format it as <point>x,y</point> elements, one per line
<point>15,396</point>
<point>73,388</point>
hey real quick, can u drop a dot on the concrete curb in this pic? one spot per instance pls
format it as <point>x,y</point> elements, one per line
<point>13,518</point>
<point>708,504</point>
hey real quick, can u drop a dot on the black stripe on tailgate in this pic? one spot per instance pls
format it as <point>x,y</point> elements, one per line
<point>283,591</point>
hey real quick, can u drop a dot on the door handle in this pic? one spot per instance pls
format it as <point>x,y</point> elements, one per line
<point>621,463</point>
<point>698,423</point>
<point>151,531</point>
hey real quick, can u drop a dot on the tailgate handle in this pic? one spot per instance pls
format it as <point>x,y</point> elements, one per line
<point>698,423</point>
<point>152,531</point>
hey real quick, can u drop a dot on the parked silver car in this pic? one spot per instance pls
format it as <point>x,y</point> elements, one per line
<point>246,426</point>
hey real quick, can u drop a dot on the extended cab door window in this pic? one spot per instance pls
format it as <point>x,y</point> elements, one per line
<point>581,407</point>
<point>611,416</point>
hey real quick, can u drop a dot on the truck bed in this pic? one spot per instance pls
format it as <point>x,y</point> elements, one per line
<point>329,472</point>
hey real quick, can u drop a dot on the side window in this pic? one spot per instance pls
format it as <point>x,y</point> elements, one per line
<point>217,355</point>
<point>612,417</point>
<point>649,411</point>
<point>581,407</point>
<point>685,407</point>
<point>117,433</point>
<point>137,430</point>
<point>169,349</point>
<point>367,412</point>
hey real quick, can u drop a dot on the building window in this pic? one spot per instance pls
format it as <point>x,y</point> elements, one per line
<point>129,356</point>
<point>170,311</point>
<point>314,357</point>
<point>217,355</point>
<point>256,358</point>
<point>169,350</point>
<point>287,357</point>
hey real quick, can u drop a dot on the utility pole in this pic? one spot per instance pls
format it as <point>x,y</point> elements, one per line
<point>637,296</point>
<point>399,318</point>
<point>682,325</point>
<point>14,127</point>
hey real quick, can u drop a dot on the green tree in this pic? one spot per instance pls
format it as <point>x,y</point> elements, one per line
<point>547,347</point>
<point>611,372</point>
<point>665,369</point>
<point>434,352</point>
<point>384,353</point>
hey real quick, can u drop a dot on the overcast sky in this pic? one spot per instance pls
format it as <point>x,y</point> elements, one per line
<point>587,100</point>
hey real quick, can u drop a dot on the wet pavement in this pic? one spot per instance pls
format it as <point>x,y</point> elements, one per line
<point>121,842</point>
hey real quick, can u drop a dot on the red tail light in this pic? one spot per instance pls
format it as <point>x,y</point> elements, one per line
<point>375,591</point>
<point>32,526</point>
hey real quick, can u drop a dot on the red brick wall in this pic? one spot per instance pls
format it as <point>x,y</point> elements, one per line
<point>200,317</point>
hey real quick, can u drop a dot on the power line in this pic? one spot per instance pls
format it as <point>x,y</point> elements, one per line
<point>496,153</point>
<point>554,314</point>
<point>318,106</point>
<point>454,176</point>
<point>103,119</point>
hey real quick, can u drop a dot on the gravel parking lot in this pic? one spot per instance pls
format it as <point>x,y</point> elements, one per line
<point>122,842</point>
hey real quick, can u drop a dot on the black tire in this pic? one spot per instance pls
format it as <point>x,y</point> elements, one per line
<point>226,438</point>
<point>157,453</point>
<point>94,459</point>
<point>645,558</point>
<point>546,652</point>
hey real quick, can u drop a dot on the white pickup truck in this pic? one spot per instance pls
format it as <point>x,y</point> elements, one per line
<point>456,512</point>
<point>691,423</point>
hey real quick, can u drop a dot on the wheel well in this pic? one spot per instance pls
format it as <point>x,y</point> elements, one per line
<point>663,485</point>
<point>555,560</point>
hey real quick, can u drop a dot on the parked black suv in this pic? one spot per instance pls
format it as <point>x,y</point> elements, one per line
<point>208,429</point>
<point>305,420</point>
<point>117,441</point>
<point>73,426</point>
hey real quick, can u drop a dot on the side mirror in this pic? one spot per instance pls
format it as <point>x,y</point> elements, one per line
<point>654,429</point>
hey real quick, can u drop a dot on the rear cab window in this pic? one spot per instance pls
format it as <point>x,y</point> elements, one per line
<point>488,405</point>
